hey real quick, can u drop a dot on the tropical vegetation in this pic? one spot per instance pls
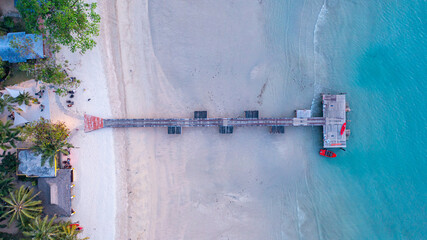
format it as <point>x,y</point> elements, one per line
<point>72,23</point>
<point>49,72</point>
<point>24,98</point>
<point>42,229</point>
<point>48,138</point>
<point>8,135</point>
<point>9,163</point>
<point>6,103</point>
<point>6,185</point>
<point>2,69</point>
<point>68,231</point>
<point>21,206</point>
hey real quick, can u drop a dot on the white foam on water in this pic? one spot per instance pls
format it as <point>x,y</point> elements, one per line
<point>319,67</point>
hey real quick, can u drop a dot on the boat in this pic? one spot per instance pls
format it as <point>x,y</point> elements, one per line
<point>327,153</point>
<point>343,128</point>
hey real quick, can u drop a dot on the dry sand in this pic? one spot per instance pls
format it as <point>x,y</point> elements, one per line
<point>167,59</point>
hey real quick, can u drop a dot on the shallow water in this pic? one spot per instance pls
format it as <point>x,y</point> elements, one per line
<point>375,52</point>
<point>252,185</point>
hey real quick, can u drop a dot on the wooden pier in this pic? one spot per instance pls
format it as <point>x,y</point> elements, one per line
<point>334,116</point>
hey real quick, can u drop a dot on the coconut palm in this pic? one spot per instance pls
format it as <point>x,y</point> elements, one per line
<point>67,231</point>
<point>43,229</point>
<point>21,206</point>
<point>6,103</point>
<point>24,98</point>
<point>6,185</point>
<point>8,135</point>
<point>49,151</point>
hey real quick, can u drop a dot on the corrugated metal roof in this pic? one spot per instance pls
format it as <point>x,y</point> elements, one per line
<point>30,47</point>
<point>30,165</point>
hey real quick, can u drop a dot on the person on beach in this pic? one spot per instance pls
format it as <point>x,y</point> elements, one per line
<point>42,107</point>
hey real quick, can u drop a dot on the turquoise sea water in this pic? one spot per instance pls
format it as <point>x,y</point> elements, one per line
<point>375,51</point>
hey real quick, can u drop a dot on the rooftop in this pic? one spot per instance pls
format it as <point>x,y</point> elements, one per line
<point>55,193</point>
<point>30,165</point>
<point>19,47</point>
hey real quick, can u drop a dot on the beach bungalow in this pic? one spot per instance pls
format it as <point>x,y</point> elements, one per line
<point>54,184</point>
<point>55,193</point>
<point>19,47</point>
<point>30,165</point>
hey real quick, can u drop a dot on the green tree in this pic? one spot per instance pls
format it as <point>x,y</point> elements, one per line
<point>67,231</point>
<point>9,163</point>
<point>6,103</point>
<point>6,185</point>
<point>48,138</point>
<point>2,68</point>
<point>8,135</point>
<point>24,98</point>
<point>72,23</point>
<point>43,229</point>
<point>49,72</point>
<point>8,23</point>
<point>21,206</point>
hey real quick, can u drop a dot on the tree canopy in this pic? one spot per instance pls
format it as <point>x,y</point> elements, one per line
<point>2,69</point>
<point>24,98</point>
<point>8,135</point>
<point>43,229</point>
<point>21,206</point>
<point>9,163</point>
<point>6,185</point>
<point>6,103</point>
<point>49,72</point>
<point>48,138</point>
<point>72,23</point>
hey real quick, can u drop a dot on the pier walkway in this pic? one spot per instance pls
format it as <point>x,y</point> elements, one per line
<point>334,116</point>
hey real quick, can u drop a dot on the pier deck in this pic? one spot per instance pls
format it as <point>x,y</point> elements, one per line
<point>334,111</point>
<point>334,107</point>
<point>212,122</point>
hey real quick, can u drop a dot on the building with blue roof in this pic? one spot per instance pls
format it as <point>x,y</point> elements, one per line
<point>19,47</point>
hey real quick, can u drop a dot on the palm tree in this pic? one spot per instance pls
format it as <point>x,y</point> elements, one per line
<point>24,98</point>
<point>6,102</point>
<point>6,185</point>
<point>8,135</point>
<point>67,231</point>
<point>43,229</point>
<point>21,206</point>
<point>49,151</point>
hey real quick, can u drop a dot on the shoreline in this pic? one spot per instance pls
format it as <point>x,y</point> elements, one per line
<point>111,51</point>
<point>94,158</point>
<point>162,185</point>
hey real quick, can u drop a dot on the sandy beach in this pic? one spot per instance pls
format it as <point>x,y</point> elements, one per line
<point>164,59</point>
<point>167,59</point>
<point>92,158</point>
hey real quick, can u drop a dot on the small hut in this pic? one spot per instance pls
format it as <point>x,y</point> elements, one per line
<point>55,193</point>
<point>30,165</point>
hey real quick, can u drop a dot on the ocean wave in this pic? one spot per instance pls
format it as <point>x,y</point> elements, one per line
<point>319,62</point>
